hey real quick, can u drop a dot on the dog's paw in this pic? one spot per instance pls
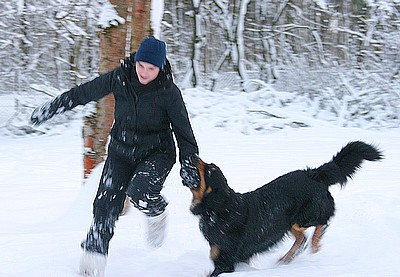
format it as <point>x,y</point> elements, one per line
<point>218,271</point>
<point>92,264</point>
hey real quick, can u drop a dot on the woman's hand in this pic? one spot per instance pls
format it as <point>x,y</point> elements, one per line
<point>189,174</point>
<point>46,111</point>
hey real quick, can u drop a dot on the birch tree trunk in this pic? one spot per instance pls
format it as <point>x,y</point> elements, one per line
<point>197,43</point>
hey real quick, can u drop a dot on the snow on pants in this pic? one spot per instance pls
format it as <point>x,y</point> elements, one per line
<point>141,180</point>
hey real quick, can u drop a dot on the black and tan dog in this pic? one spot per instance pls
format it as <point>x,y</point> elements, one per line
<point>238,226</point>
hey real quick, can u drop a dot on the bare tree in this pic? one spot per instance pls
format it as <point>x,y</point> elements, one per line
<point>197,43</point>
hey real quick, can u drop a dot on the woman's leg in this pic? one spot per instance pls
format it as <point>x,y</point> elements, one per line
<point>144,191</point>
<point>147,182</point>
<point>108,204</point>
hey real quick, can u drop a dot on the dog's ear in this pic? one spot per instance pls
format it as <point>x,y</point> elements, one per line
<point>216,179</point>
<point>218,192</point>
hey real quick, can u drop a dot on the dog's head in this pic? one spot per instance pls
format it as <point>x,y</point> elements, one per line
<point>213,190</point>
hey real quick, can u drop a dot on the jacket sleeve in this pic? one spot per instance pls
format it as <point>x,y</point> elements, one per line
<point>89,91</point>
<point>181,125</point>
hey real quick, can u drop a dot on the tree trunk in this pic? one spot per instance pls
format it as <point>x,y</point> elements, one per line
<point>116,43</point>
<point>197,43</point>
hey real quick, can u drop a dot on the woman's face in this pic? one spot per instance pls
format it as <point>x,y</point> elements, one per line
<point>146,72</point>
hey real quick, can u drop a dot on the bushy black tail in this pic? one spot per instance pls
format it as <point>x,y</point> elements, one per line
<point>345,163</point>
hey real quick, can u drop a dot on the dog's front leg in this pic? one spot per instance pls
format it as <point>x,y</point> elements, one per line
<point>217,271</point>
<point>223,262</point>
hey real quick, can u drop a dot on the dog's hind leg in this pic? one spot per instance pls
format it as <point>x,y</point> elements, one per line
<point>316,238</point>
<point>298,245</point>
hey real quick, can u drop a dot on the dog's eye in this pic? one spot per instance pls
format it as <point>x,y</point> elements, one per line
<point>209,172</point>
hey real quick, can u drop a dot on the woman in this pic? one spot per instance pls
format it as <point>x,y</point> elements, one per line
<point>149,109</point>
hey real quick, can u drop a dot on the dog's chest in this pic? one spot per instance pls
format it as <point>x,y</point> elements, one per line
<point>210,226</point>
<point>216,226</point>
<point>209,219</point>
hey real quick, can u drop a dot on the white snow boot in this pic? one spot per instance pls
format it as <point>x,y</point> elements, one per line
<point>156,226</point>
<point>92,264</point>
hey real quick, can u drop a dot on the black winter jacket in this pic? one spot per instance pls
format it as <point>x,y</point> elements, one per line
<point>145,115</point>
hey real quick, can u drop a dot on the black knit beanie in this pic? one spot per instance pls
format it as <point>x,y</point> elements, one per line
<point>153,51</point>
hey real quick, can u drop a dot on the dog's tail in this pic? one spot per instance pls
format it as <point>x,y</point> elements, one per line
<point>345,163</point>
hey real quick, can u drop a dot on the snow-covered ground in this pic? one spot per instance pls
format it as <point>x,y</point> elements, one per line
<point>45,207</point>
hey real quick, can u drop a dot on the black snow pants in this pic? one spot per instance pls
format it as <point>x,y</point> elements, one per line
<point>141,179</point>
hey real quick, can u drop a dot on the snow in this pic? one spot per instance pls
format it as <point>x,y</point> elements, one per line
<point>45,205</point>
<point>108,16</point>
<point>157,10</point>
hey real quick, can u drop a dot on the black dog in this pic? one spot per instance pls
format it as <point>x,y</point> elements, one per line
<point>238,226</point>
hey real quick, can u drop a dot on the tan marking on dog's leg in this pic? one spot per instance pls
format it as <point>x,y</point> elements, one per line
<point>298,228</point>
<point>316,239</point>
<point>214,252</point>
<point>297,232</point>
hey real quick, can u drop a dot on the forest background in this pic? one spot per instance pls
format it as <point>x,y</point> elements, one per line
<point>338,60</point>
